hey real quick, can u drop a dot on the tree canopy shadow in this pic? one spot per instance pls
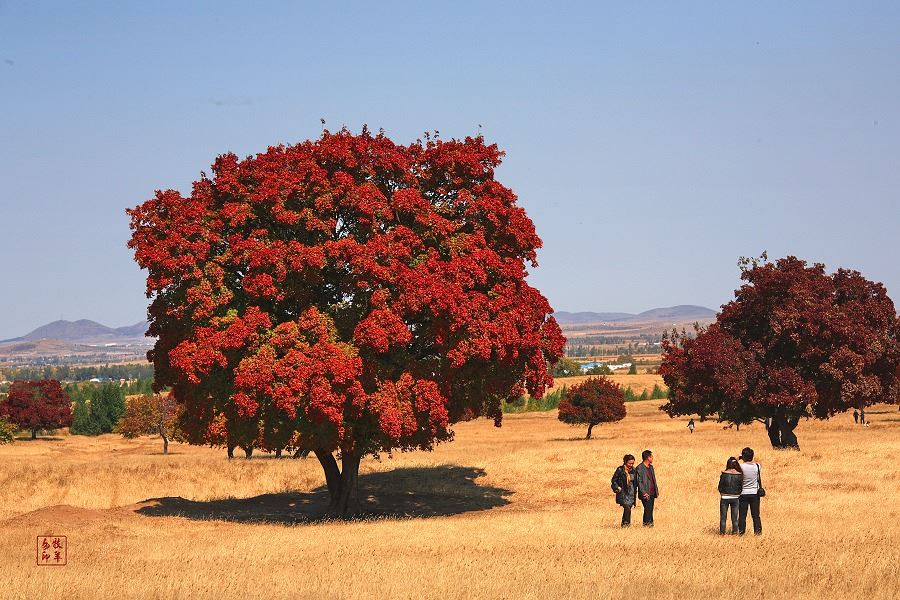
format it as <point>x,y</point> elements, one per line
<point>406,492</point>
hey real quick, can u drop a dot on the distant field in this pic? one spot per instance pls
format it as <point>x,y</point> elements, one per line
<point>573,331</point>
<point>637,383</point>
<point>523,511</point>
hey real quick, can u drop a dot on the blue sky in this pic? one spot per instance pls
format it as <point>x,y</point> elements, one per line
<point>652,143</point>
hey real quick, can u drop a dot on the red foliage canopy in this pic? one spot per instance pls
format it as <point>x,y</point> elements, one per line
<point>35,405</point>
<point>794,342</point>
<point>595,400</point>
<point>347,294</point>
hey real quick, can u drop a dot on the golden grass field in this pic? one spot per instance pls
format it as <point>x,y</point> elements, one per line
<point>524,511</point>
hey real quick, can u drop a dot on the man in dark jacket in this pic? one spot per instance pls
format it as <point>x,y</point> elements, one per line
<point>625,487</point>
<point>647,488</point>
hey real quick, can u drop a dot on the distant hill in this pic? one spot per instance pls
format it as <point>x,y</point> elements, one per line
<point>136,330</point>
<point>683,312</point>
<point>84,331</point>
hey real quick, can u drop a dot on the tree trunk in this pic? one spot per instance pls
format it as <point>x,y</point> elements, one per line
<point>34,434</point>
<point>590,427</point>
<point>332,473</point>
<point>774,432</point>
<point>230,451</point>
<point>165,438</point>
<point>277,452</point>
<point>342,484</point>
<point>788,437</point>
<point>781,431</point>
<point>347,500</point>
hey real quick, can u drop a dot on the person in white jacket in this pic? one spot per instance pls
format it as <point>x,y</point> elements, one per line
<point>749,499</point>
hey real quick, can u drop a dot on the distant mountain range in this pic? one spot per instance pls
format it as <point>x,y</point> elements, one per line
<point>683,312</point>
<point>84,331</point>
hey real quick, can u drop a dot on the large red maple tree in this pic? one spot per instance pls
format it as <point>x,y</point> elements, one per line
<point>795,342</point>
<point>347,295</point>
<point>36,405</point>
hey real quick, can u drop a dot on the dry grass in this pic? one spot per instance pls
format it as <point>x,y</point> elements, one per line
<point>540,522</point>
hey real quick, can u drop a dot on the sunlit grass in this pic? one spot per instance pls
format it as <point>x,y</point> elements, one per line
<point>831,523</point>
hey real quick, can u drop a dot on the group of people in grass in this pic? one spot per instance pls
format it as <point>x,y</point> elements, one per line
<point>740,488</point>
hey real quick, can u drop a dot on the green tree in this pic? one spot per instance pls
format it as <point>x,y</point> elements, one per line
<point>107,406</point>
<point>658,393</point>
<point>566,367</point>
<point>82,421</point>
<point>632,370</point>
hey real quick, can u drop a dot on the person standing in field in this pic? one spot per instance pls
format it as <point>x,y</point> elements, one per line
<point>862,416</point>
<point>690,425</point>
<point>855,416</point>
<point>624,485</point>
<point>647,487</point>
<point>731,484</point>
<point>749,499</point>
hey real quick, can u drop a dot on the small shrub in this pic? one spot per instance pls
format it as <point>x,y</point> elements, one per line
<point>596,400</point>
<point>7,431</point>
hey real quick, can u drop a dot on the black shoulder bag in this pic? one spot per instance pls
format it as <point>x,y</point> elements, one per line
<point>760,492</point>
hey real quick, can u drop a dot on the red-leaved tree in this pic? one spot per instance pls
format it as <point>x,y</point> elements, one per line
<point>795,342</point>
<point>36,405</point>
<point>347,295</point>
<point>593,401</point>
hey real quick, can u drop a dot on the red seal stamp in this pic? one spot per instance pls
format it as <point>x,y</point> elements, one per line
<point>51,550</point>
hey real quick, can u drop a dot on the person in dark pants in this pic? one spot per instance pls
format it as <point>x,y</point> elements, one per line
<point>647,487</point>
<point>731,482</point>
<point>625,487</point>
<point>855,416</point>
<point>749,493</point>
<point>862,416</point>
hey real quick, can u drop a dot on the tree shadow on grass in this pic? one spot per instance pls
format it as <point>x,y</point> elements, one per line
<point>409,492</point>
<point>40,438</point>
